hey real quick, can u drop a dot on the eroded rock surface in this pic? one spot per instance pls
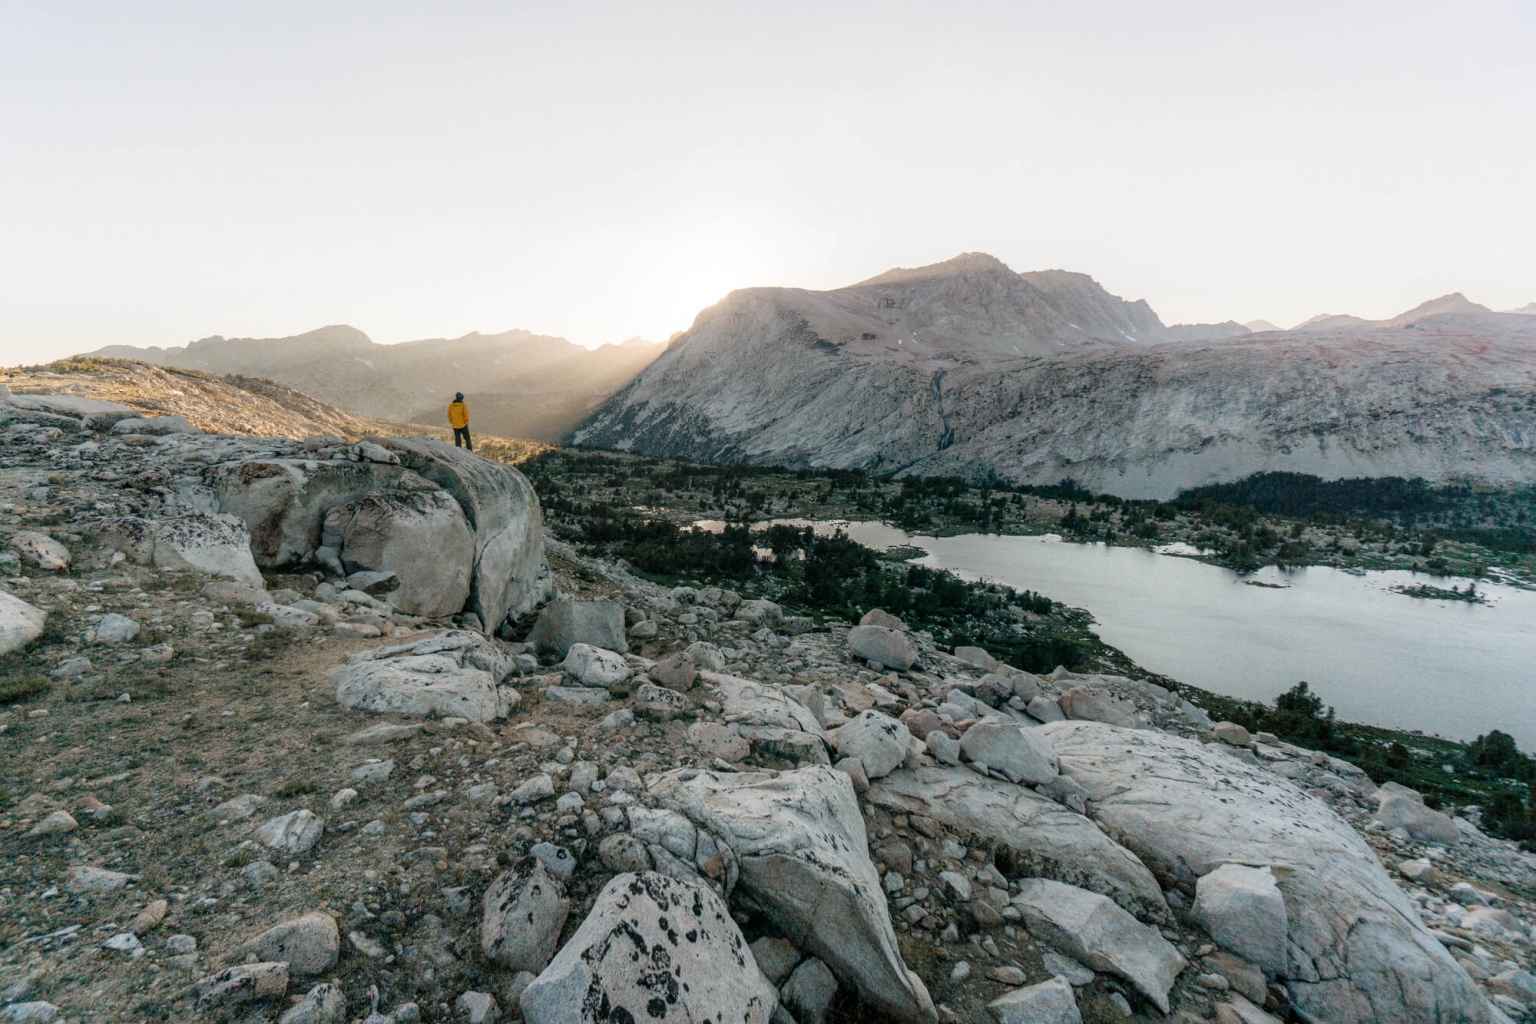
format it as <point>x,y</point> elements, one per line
<point>653,949</point>
<point>1357,951</point>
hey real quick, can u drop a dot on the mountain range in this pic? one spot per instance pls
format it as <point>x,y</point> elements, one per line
<point>966,367</point>
<point>518,384</point>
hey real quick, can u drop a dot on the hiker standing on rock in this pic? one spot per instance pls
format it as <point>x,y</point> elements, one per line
<point>458,419</point>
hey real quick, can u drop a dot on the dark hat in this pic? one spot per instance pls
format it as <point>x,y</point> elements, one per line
<point>458,396</point>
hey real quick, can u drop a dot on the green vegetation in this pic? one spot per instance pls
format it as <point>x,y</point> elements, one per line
<point>17,687</point>
<point>641,509</point>
<point>1490,772</point>
<point>1427,592</point>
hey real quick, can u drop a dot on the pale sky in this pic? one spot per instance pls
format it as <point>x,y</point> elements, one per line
<point>175,170</point>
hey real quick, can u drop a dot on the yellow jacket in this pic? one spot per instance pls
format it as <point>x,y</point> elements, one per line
<point>458,415</point>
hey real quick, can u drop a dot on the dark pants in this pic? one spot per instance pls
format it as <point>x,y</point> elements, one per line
<point>462,433</point>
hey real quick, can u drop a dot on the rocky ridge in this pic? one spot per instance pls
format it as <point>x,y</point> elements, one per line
<point>766,810</point>
<point>519,384</point>
<point>968,368</point>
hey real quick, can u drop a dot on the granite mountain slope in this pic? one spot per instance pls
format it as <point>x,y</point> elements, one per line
<point>967,367</point>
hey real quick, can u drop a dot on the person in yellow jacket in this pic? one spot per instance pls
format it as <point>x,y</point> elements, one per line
<point>458,419</point>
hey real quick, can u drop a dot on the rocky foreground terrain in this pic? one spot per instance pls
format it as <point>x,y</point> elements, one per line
<point>968,368</point>
<point>315,730</point>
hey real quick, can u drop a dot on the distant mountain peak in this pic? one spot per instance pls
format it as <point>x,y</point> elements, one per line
<point>1529,309</point>
<point>1455,302</point>
<point>1262,326</point>
<point>965,263</point>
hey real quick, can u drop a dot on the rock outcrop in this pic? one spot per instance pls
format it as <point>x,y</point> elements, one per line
<point>1357,951</point>
<point>453,673</point>
<point>1041,837</point>
<point>800,853</point>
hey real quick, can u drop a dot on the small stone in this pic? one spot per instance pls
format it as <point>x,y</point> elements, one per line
<point>88,879</point>
<point>1007,974</point>
<point>1231,733</point>
<point>54,824</point>
<point>261,872</point>
<point>540,787</point>
<point>1063,966</point>
<point>310,944</point>
<point>366,946</point>
<point>809,991</point>
<point>556,858</point>
<point>244,984</point>
<point>115,629</point>
<point>72,667</point>
<point>294,832</point>
<point>524,910</point>
<point>181,944</point>
<point>1419,871</point>
<point>342,797</point>
<point>776,958</point>
<point>1050,1002</point>
<point>323,1004</point>
<point>479,1007</point>
<point>123,942</point>
<point>620,719</point>
<point>148,919</point>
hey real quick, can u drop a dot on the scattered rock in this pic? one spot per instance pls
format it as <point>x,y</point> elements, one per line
<point>653,949</point>
<point>977,657</point>
<point>564,623</point>
<point>809,991</point>
<point>595,667</point>
<point>1231,734</point>
<point>889,647</point>
<point>295,832</point>
<point>1095,705</point>
<point>243,984</point>
<point>323,1004</point>
<point>1242,909</point>
<point>883,619</point>
<point>309,944</point>
<point>878,741</point>
<point>20,623</point>
<point>54,824</point>
<point>115,629</point>
<point>524,910</point>
<point>1092,929</point>
<point>798,842</point>
<point>478,1007</point>
<point>1017,753</point>
<point>1398,810</point>
<point>761,613</point>
<point>675,672</point>
<point>148,919</point>
<point>452,673</point>
<point>40,550</point>
<point>1050,1002</point>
